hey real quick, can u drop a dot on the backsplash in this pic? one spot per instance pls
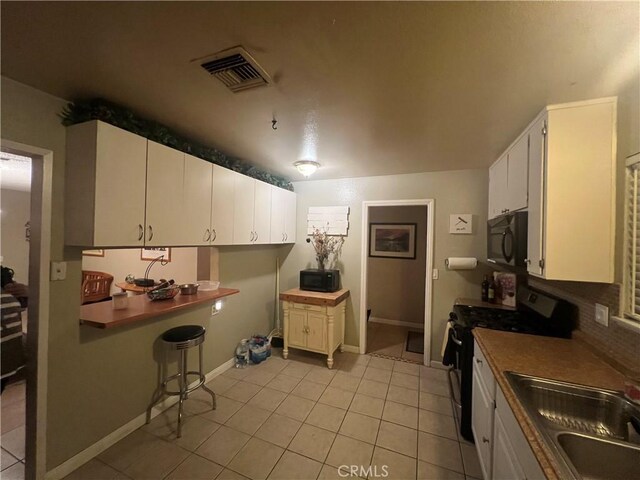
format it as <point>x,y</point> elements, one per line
<point>622,344</point>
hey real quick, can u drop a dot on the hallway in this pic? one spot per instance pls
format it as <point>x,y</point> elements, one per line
<point>390,341</point>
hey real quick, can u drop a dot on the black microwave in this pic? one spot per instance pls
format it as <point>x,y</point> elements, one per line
<point>507,239</point>
<point>320,280</point>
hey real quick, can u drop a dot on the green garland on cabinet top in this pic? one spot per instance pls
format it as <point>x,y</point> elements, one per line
<point>103,110</point>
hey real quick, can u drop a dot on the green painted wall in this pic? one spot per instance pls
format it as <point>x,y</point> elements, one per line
<point>100,380</point>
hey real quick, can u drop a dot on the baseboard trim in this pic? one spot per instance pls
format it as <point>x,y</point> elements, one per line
<point>400,323</point>
<point>114,437</point>
<point>436,364</point>
<point>350,349</point>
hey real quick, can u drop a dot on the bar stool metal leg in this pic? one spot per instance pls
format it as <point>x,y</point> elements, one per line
<point>204,387</point>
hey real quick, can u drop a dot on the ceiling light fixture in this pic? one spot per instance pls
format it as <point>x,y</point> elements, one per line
<point>306,167</point>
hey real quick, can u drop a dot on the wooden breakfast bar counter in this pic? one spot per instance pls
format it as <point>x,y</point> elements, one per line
<point>102,314</point>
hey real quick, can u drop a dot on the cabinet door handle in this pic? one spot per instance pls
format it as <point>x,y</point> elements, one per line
<point>478,361</point>
<point>286,237</point>
<point>215,235</point>
<point>485,440</point>
<point>150,232</point>
<point>207,236</point>
<point>251,237</point>
<point>256,239</point>
<point>140,231</point>
<point>283,237</point>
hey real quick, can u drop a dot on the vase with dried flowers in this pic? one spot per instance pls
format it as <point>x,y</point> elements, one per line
<point>325,245</point>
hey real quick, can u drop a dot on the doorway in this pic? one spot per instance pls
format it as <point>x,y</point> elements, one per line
<point>26,443</point>
<point>396,279</point>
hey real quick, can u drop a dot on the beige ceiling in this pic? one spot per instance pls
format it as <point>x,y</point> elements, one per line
<point>366,88</point>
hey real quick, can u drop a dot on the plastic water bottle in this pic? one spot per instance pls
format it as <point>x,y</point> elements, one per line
<point>242,354</point>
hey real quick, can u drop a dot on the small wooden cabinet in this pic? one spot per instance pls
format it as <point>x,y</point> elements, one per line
<point>314,321</point>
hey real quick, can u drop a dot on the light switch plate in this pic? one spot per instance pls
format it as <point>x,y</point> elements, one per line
<point>58,271</point>
<point>602,315</point>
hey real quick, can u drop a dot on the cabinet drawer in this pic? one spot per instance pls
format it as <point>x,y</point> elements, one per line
<point>480,362</point>
<point>309,308</point>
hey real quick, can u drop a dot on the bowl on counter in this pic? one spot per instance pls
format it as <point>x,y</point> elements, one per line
<point>208,285</point>
<point>164,293</point>
<point>189,288</point>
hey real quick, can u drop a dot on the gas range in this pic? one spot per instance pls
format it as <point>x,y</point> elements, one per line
<point>494,318</point>
<point>537,313</point>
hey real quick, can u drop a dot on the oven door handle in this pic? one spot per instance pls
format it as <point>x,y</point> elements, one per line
<point>451,391</point>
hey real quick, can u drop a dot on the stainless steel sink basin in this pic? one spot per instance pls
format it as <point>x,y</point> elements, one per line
<point>587,428</point>
<point>599,458</point>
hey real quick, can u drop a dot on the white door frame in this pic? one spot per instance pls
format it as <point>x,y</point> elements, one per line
<point>38,313</point>
<point>428,289</point>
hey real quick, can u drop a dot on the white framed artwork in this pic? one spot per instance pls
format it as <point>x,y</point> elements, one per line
<point>461,223</point>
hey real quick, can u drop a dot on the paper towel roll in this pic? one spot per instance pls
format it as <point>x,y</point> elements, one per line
<point>461,263</point>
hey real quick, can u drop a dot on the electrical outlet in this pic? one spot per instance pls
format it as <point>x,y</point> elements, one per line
<point>602,315</point>
<point>435,274</point>
<point>216,307</point>
<point>58,271</point>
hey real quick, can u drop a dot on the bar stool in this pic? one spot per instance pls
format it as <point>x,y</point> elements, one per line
<point>182,339</point>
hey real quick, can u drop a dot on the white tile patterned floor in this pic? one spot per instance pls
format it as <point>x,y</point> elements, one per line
<point>296,419</point>
<point>13,431</point>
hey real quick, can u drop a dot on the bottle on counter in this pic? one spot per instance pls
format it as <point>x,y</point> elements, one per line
<point>491,291</point>
<point>485,289</point>
<point>242,354</point>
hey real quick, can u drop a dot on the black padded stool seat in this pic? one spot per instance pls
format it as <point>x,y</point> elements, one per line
<point>183,333</point>
<point>182,339</point>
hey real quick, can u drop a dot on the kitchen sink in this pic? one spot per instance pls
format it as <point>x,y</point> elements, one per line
<point>600,458</point>
<point>587,428</point>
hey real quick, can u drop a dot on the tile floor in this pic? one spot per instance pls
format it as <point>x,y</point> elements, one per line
<point>295,419</point>
<point>390,340</point>
<point>13,431</point>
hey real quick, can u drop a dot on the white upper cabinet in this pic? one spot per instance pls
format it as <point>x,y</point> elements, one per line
<point>536,181</point>
<point>105,186</point>
<point>223,206</point>
<point>198,202</point>
<point>572,178</point>
<point>290,216</point>
<point>262,212</point>
<point>498,174</point>
<point>508,179</point>
<point>252,211</point>
<point>283,216</point>
<point>517,175</point>
<point>244,200</point>
<point>165,189</point>
<point>125,191</point>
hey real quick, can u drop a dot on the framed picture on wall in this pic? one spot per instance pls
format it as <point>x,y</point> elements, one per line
<point>392,240</point>
<point>93,253</point>
<point>153,253</point>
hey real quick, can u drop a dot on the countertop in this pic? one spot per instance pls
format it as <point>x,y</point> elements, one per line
<point>323,299</point>
<point>102,314</point>
<point>561,359</point>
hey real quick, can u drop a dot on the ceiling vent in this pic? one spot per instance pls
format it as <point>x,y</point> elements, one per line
<point>236,69</point>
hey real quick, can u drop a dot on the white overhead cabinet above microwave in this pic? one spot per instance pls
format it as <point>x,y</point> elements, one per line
<point>126,191</point>
<point>570,187</point>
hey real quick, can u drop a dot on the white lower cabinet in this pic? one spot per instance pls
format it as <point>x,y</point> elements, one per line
<point>505,462</point>
<point>503,451</point>
<point>483,402</point>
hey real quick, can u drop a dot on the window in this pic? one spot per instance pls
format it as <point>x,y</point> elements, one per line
<point>632,240</point>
